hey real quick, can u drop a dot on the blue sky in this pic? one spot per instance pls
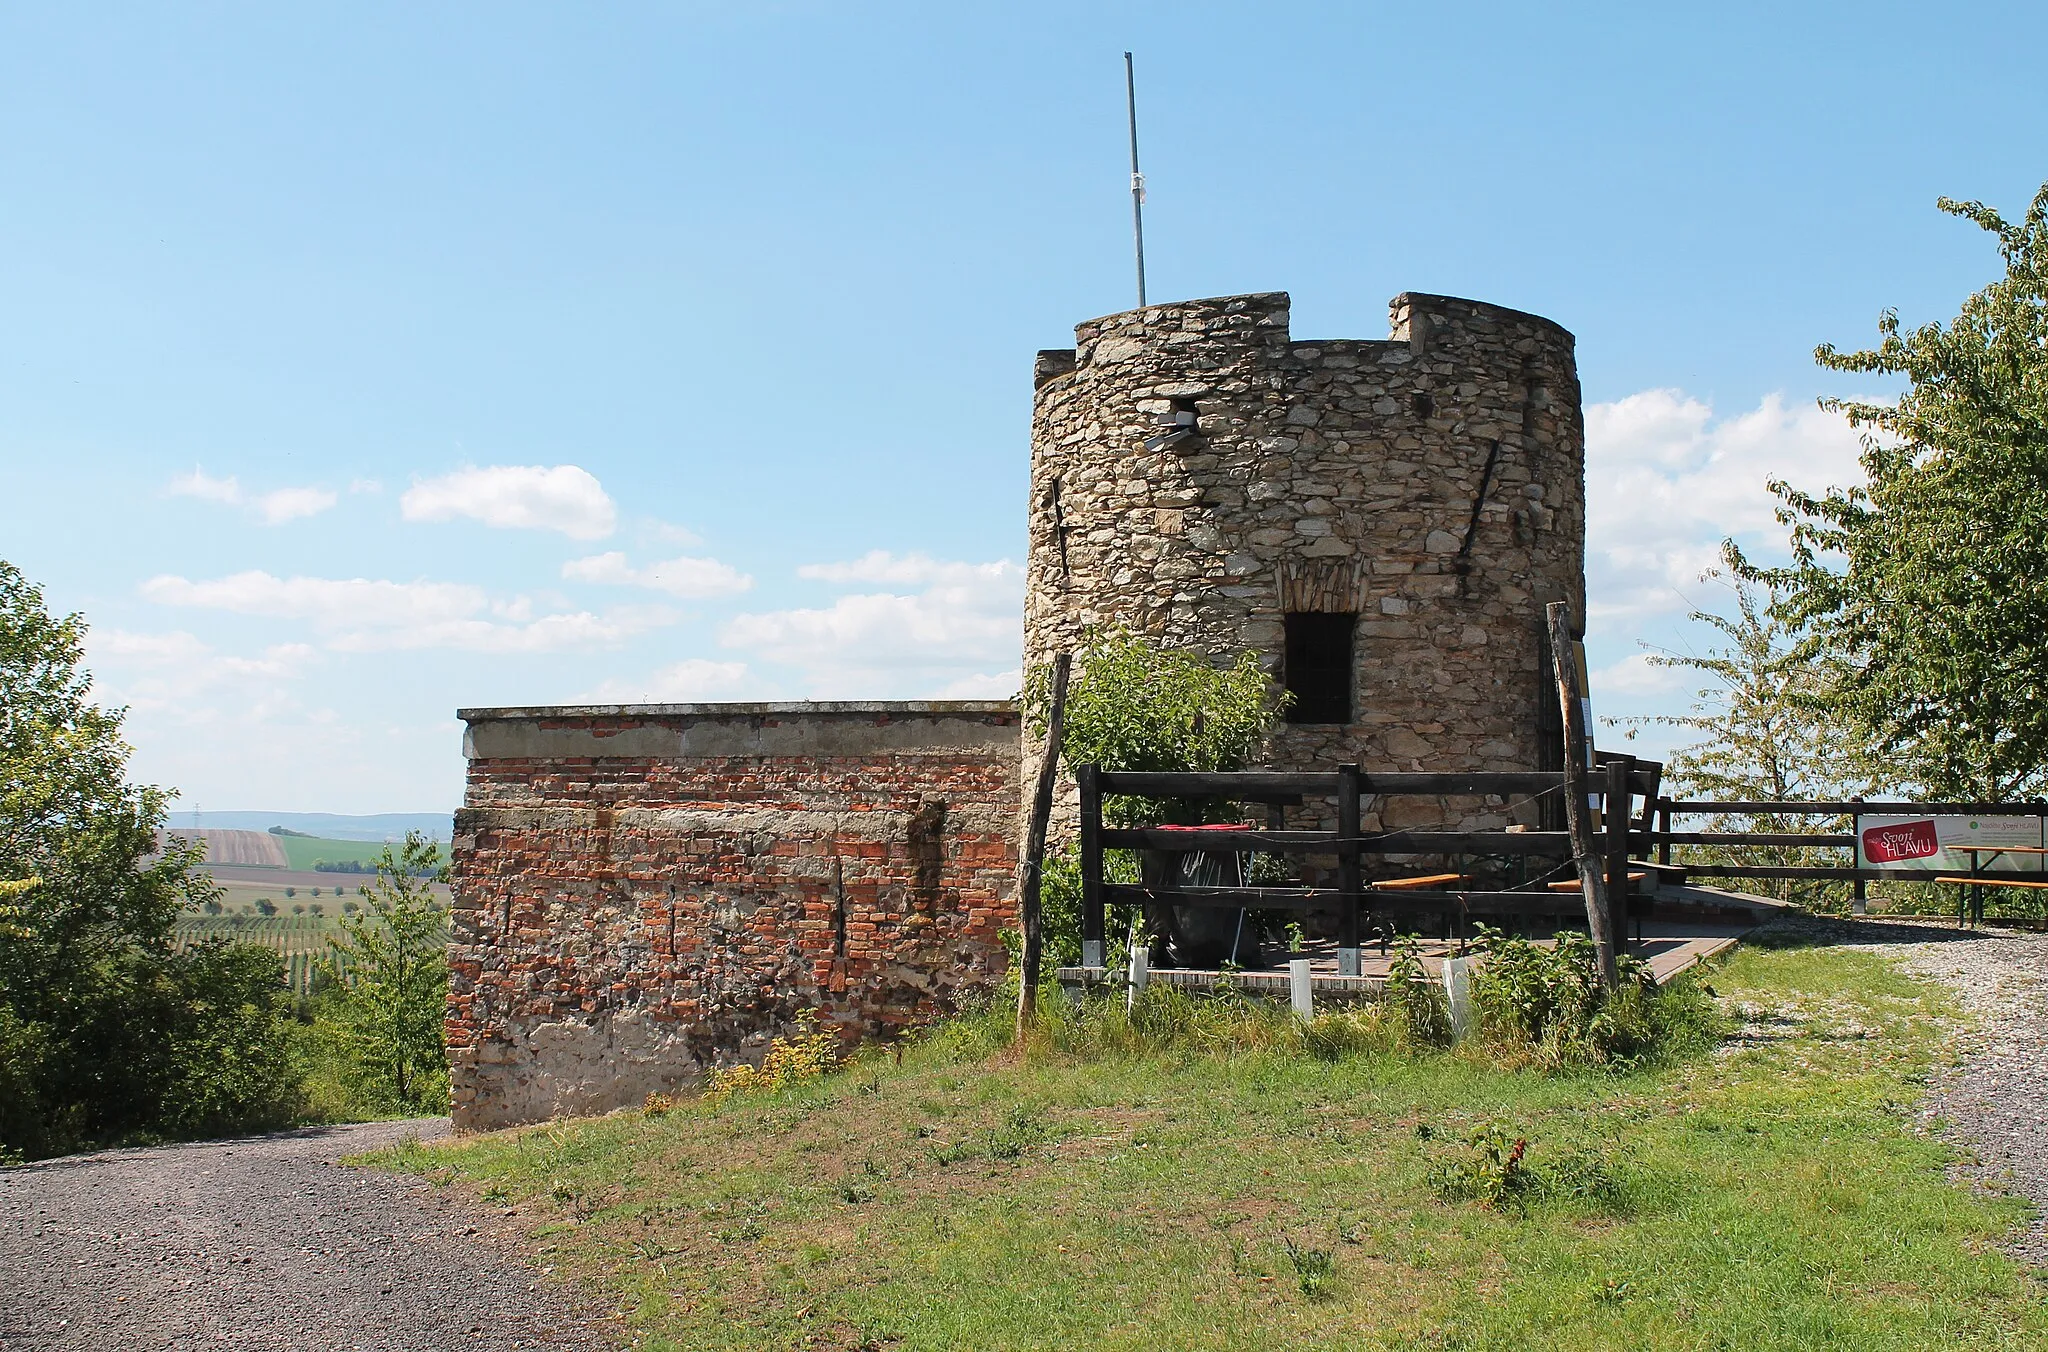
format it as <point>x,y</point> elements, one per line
<point>363,362</point>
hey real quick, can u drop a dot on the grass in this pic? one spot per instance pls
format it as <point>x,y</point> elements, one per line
<point>1770,1194</point>
<point>303,852</point>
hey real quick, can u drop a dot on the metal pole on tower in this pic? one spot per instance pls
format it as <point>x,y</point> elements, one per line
<point>1137,179</point>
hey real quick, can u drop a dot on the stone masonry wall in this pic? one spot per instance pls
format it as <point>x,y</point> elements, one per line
<point>643,893</point>
<point>1432,483</point>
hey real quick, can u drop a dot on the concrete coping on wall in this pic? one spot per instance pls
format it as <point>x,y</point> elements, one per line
<point>794,707</point>
<point>819,728</point>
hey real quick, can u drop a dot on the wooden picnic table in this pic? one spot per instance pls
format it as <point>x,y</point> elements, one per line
<point>1969,896</point>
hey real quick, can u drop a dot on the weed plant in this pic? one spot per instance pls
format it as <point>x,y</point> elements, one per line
<point>809,1054</point>
<point>1544,1006</point>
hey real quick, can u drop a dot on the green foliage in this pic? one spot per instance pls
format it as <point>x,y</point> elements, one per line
<point>1133,705</point>
<point>1924,590</point>
<point>1764,732</point>
<point>1492,1169</point>
<point>389,971</point>
<point>231,1043</point>
<point>107,1033</point>
<point>1313,1268</point>
<point>811,1052</point>
<point>1413,990</point>
<point>1780,1195</point>
<point>1546,1004</point>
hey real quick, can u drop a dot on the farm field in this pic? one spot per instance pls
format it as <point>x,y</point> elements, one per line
<point>302,852</point>
<point>1773,1193</point>
<point>298,940</point>
<point>257,849</point>
<point>261,849</point>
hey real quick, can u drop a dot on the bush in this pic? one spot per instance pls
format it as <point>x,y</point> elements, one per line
<point>1547,1004</point>
<point>234,1069</point>
<point>1495,1168</point>
<point>809,1054</point>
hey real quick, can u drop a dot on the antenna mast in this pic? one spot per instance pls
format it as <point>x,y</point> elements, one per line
<point>1137,179</point>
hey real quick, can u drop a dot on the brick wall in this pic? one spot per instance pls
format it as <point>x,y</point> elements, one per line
<point>642,893</point>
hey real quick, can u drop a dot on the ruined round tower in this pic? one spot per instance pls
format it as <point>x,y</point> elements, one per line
<point>1381,521</point>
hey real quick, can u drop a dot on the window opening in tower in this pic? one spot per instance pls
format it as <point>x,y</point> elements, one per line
<point>1318,666</point>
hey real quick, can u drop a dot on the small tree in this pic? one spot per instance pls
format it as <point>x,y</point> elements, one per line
<point>1764,733</point>
<point>1136,706</point>
<point>106,1031</point>
<point>1133,705</point>
<point>390,967</point>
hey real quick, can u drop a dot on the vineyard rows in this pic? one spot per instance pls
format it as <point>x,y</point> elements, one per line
<point>299,941</point>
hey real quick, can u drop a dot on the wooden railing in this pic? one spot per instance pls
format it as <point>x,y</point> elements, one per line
<point>1623,779</point>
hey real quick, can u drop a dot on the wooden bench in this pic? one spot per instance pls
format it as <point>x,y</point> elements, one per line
<point>1424,882</point>
<point>1968,913</point>
<point>1573,885</point>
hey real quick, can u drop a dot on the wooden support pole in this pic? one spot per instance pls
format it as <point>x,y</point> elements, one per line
<point>1093,949</point>
<point>1615,818</point>
<point>1349,884</point>
<point>1031,868</point>
<point>1577,810</point>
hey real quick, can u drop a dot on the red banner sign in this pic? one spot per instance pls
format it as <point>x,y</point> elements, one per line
<point>1900,841</point>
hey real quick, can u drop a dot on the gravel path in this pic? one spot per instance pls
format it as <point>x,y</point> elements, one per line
<point>1993,1103</point>
<point>265,1243</point>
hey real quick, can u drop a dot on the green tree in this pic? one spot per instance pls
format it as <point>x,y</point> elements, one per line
<point>389,968</point>
<point>104,1029</point>
<point>1925,589</point>
<point>1133,705</point>
<point>1762,731</point>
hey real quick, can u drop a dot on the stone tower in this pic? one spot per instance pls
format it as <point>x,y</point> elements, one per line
<point>1382,521</point>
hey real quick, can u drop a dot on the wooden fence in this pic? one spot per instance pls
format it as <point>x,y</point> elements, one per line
<point>1665,837</point>
<point>1352,900</point>
<point>1637,837</point>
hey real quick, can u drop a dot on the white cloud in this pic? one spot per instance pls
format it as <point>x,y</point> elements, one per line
<point>992,685</point>
<point>365,615</point>
<point>669,533</point>
<point>199,484</point>
<point>1637,675</point>
<point>678,577</point>
<point>879,566</point>
<point>1666,483</point>
<point>275,507</point>
<point>967,620</point>
<point>176,675</point>
<point>691,680</point>
<point>288,504</point>
<point>562,498</point>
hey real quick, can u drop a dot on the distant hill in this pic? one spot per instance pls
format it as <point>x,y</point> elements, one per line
<point>326,825</point>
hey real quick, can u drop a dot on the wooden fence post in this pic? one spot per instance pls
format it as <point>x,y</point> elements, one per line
<point>1348,881</point>
<point>1615,815</point>
<point>1031,868</point>
<point>1092,947</point>
<point>1577,811</point>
